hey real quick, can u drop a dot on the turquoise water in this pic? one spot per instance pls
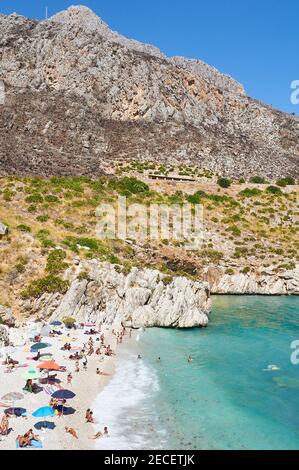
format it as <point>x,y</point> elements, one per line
<point>226,398</point>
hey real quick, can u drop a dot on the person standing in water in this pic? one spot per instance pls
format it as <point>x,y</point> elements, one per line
<point>189,359</point>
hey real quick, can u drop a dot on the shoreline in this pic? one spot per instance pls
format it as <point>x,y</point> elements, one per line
<point>87,385</point>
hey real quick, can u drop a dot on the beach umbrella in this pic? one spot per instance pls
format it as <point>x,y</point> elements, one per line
<point>44,424</point>
<point>56,323</point>
<point>31,374</point>
<point>49,365</point>
<point>38,346</point>
<point>63,394</point>
<point>89,324</point>
<point>43,412</point>
<point>12,397</point>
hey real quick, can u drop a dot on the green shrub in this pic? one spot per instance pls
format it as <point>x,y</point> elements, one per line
<point>55,262</point>
<point>246,270</point>
<point>23,228</point>
<point>224,182</point>
<point>20,268</point>
<point>196,197</point>
<point>274,190</point>
<point>229,271</point>
<point>283,182</point>
<point>83,275</point>
<point>250,192</point>
<point>234,230</point>
<point>35,198</point>
<point>42,218</point>
<point>129,185</point>
<point>8,194</point>
<point>49,284</point>
<point>51,198</point>
<point>212,255</point>
<point>257,180</point>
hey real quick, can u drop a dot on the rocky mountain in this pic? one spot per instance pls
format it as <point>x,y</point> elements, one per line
<point>80,96</point>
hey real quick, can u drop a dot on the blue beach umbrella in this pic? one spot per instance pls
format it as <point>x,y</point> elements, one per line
<point>56,323</point>
<point>63,394</point>
<point>43,412</point>
<point>38,346</point>
<point>45,424</point>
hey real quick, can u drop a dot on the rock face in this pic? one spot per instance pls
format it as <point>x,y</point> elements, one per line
<point>139,299</point>
<point>4,336</point>
<point>6,316</point>
<point>3,230</point>
<point>78,95</point>
<point>267,282</point>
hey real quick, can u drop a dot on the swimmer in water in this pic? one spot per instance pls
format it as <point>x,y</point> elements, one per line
<point>189,359</point>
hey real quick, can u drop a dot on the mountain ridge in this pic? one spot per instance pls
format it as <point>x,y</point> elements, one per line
<point>73,60</point>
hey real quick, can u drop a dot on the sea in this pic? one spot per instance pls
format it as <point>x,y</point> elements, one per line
<point>241,390</point>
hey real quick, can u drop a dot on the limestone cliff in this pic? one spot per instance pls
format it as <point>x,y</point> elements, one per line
<point>142,298</point>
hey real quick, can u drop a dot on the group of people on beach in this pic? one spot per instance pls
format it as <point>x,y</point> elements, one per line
<point>26,439</point>
<point>95,346</point>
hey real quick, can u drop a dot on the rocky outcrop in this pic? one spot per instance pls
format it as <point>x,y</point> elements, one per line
<point>3,230</point>
<point>4,336</point>
<point>78,96</point>
<point>6,316</point>
<point>139,299</point>
<point>265,282</point>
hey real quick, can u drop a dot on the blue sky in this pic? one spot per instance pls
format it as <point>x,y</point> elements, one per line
<point>254,41</point>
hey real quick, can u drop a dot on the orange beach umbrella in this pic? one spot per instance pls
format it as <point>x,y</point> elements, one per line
<point>49,365</point>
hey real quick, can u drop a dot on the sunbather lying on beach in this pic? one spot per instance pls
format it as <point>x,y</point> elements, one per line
<point>71,431</point>
<point>101,434</point>
<point>99,372</point>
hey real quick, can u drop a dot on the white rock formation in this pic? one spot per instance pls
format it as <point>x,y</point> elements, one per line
<point>4,336</point>
<point>139,299</point>
<point>3,229</point>
<point>265,282</point>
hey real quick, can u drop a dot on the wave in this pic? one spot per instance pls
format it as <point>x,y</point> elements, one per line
<point>126,407</point>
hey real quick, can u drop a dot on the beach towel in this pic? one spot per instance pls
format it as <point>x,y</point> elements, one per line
<point>35,445</point>
<point>50,389</point>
